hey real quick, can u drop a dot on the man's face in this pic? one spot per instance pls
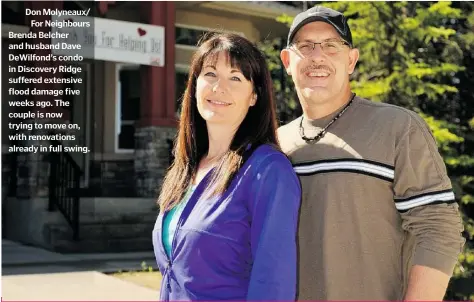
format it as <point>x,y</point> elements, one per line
<point>319,76</point>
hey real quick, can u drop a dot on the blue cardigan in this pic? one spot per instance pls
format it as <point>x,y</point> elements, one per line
<point>241,245</point>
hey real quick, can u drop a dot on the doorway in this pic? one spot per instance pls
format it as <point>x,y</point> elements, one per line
<point>80,114</point>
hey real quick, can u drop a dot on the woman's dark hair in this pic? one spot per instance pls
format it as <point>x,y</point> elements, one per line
<point>258,127</point>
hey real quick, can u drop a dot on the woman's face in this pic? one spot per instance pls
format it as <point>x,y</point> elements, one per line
<point>223,94</point>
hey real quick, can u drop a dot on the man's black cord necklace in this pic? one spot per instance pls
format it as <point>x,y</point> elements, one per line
<point>323,132</point>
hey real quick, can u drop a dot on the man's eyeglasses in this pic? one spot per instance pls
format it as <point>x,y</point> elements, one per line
<point>328,47</point>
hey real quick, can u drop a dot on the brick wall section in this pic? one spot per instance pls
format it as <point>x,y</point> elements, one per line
<point>152,158</point>
<point>34,168</point>
<point>112,179</point>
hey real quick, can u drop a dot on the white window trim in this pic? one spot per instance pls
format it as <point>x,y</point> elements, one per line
<point>182,68</point>
<point>196,27</point>
<point>186,47</point>
<point>118,100</point>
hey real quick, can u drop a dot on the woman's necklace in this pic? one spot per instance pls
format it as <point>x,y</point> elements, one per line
<point>318,136</point>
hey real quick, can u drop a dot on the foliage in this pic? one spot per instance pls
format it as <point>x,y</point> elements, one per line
<point>288,106</point>
<point>146,267</point>
<point>418,55</point>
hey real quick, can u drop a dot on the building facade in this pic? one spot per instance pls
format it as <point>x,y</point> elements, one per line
<point>127,111</point>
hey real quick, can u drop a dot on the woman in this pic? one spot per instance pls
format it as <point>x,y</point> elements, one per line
<point>229,203</point>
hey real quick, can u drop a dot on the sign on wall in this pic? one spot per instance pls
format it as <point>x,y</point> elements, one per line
<point>109,40</point>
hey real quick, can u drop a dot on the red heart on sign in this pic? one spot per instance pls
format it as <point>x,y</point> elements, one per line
<point>141,32</point>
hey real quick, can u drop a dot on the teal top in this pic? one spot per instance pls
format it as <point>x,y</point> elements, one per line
<point>171,221</point>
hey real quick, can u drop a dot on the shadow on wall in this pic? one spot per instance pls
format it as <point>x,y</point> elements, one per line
<point>170,150</point>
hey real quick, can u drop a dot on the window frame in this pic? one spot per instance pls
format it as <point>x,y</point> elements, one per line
<point>183,69</point>
<point>201,28</point>
<point>118,110</point>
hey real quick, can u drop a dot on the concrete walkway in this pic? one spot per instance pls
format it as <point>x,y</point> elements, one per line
<point>81,286</point>
<point>34,274</point>
<point>22,259</point>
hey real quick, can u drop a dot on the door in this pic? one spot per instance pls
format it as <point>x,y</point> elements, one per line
<point>79,113</point>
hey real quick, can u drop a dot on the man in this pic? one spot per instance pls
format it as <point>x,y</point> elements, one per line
<point>378,219</point>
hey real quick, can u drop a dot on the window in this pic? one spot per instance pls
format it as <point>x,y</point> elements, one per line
<point>180,82</point>
<point>189,36</point>
<point>127,106</point>
<point>70,98</point>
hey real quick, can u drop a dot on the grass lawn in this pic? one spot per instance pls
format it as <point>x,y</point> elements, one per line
<point>143,278</point>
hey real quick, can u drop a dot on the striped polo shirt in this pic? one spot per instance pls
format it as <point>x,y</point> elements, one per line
<point>376,200</point>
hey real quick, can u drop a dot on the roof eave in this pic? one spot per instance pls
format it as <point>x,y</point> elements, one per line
<point>251,9</point>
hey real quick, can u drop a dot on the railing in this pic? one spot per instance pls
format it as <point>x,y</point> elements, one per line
<point>11,175</point>
<point>64,185</point>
